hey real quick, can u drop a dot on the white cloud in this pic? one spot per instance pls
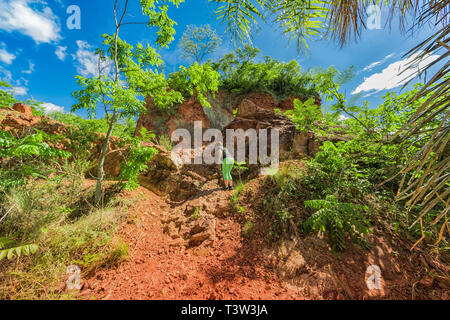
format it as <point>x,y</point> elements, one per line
<point>30,68</point>
<point>41,26</point>
<point>61,53</point>
<point>20,91</point>
<point>6,57</point>
<point>87,61</point>
<point>376,63</point>
<point>5,74</point>
<point>394,75</point>
<point>49,107</point>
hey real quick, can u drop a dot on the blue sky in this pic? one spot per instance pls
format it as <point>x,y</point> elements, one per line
<point>40,55</point>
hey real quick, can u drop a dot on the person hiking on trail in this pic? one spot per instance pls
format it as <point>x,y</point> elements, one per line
<point>227,165</point>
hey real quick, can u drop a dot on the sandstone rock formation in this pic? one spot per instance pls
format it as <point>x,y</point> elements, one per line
<point>292,142</point>
<point>20,121</point>
<point>220,114</point>
<point>23,108</point>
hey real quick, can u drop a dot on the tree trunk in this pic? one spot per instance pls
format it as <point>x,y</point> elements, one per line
<point>101,161</point>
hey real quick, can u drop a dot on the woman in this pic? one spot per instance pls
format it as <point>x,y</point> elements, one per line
<point>227,165</point>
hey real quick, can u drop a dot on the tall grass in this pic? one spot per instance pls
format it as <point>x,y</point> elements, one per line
<point>56,215</point>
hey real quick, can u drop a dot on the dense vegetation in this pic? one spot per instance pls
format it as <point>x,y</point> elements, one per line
<point>344,183</point>
<point>425,177</point>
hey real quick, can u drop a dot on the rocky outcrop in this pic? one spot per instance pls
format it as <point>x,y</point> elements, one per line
<point>162,176</point>
<point>292,142</point>
<point>162,122</point>
<point>20,121</point>
<point>251,111</point>
<point>23,108</point>
<point>223,104</point>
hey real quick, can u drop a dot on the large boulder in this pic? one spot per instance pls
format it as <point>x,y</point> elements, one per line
<point>23,108</point>
<point>292,142</point>
<point>165,177</point>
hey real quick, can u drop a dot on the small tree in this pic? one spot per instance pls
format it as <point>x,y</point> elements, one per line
<point>199,41</point>
<point>240,166</point>
<point>136,76</point>
<point>120,98</point>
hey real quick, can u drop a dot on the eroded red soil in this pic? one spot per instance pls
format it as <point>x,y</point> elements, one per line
<point>234,266</point>
<point>158,268</point>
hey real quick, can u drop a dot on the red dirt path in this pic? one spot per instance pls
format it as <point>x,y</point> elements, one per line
<point>234,267</point>
<point>157,269</point>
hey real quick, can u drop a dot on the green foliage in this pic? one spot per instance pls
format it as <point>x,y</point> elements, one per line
<point>372,148</point>
<point>331,176</point>
<point>242,74</point>
<point>124,128</point>
<point>196,79</point>
<point>299,20</point>
<point>72,230</point>
<point>138,67</point>
<point>339,220</point>
<point>137,159</point>
<point>198,42</point>
<point>116,98</point>
<point>135,163</point>
<point>305,115</point>
<point>18,251</point>
<point>28,147</point>
<point>240,167</point>
<point>332,171</point>
<point>23,157</point>
<point>234,199</point>
<point>369,162</point>
<point>6,98</point>
<point>164,140</point>
<point>160,19</point>
<point>281,204</point>
<point>196,215</point>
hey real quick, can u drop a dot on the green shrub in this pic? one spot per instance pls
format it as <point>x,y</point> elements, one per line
<point>196,215</point>
<point>6,98</point>
<point>137,159</point>
<point>26,157</point>
<point>234,199</point>
<point>338,221</point>
<point>164,140</point>
<point>240,73</point>
<point>305,115</point>
<point>280,205</point>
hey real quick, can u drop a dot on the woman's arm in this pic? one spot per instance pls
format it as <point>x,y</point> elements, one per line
<point>219,152</point>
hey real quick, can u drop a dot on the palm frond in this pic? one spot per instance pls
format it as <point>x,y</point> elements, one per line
<point>240,16</point>
<point>346,19</point>
<point>429,168</point>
